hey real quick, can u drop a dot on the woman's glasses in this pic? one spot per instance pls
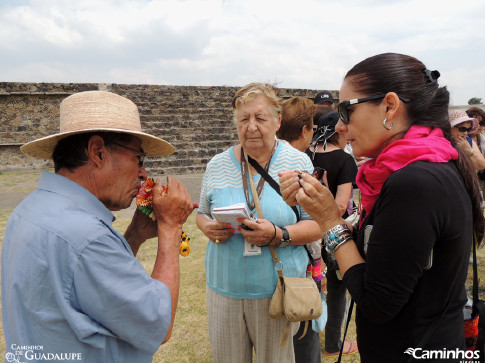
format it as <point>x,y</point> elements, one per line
<point>464,129</point>
<point>343,107</point>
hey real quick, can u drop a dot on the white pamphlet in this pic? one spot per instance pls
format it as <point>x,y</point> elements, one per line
<point>231,213</point>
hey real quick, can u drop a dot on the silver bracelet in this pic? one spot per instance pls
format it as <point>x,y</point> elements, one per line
<point>336,236</point>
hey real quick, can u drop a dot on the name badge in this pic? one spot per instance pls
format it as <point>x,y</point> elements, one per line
<point>250,249</point>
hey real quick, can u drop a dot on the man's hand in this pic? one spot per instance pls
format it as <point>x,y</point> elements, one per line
<point>140,229</point>
<point>171,205</point>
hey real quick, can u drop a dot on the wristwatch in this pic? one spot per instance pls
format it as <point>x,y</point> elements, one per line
<point>336,236</point>
<point>286,240</point>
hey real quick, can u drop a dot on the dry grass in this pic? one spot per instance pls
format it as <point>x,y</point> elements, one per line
<point>189,342</point>
<point>190,339</point>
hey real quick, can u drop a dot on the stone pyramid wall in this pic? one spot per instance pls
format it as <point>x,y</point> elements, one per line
<point>197,121</point>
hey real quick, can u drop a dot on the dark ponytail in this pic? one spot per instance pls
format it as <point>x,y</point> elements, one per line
<point>409,78</point>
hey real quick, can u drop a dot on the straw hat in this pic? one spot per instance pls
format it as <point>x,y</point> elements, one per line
<point>459,116</point>
<point>93,111</point>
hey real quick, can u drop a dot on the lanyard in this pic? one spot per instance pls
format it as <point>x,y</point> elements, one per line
<point>245,173</point>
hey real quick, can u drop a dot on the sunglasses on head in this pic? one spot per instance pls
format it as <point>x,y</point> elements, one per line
<point>343,107</point>
<point>464,129</point>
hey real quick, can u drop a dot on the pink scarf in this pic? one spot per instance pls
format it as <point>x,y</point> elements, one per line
<point>419,143</point>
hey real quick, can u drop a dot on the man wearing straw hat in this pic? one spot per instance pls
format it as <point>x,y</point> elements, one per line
<point>71,286</point>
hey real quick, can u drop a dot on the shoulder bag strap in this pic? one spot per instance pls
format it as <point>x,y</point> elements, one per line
<point>265,175</point>
<point>475,278</point>
<point>245,173</point>
<point>259,210</point>
<point>349,316</point>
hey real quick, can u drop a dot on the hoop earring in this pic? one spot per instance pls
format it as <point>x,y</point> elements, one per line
<point>387,127</point>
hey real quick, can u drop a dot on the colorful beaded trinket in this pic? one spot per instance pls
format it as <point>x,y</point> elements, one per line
<point>144,202</point>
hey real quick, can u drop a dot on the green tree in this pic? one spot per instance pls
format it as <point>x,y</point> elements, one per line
<point>474,101</point>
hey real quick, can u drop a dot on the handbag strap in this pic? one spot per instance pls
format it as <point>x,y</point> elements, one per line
<point>256,201</point>
<point>475,278</point>
<point>421,343</point>
<point>245,173</point>
<point>265,175</point>
<point>349,316</point>
<point>259,210</point>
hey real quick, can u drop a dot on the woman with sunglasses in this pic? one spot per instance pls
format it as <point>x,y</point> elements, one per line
<point>406,263</point>
<point>461,126</point>
<point>479,115</point>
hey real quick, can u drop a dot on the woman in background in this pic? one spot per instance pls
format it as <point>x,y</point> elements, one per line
<point>479,115</point>
<point>326,151</point>
<point>461,125</point>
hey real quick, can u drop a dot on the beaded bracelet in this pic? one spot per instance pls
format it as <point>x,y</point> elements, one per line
<point>336,236</point>
<point>271,240</point>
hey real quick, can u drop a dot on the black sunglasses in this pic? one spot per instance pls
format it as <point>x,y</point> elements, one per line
<point>141,153</point>
<point>343,107</point>
<point>482,123</point>
<point>464,129</point>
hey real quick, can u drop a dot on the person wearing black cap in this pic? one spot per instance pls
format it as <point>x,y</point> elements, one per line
<point>324,98</point>
<point>326,151</point>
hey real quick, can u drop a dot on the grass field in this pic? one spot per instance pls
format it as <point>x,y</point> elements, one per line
<point>189,342</point>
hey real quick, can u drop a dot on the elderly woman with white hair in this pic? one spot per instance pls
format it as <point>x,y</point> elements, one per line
<point>241,278</point>
<point>461,125</point>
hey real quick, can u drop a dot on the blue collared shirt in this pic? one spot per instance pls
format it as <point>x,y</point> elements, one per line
<point>70,282</point>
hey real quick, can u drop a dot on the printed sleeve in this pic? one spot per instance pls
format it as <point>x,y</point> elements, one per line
<point>115,296</point>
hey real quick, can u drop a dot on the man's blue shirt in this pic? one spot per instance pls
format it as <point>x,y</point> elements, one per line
<point>70,282</point>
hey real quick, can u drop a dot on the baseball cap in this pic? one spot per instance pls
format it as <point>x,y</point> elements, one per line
<point>321,97</point>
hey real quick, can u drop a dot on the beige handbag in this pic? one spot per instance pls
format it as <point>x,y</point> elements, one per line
<point>295,298</point>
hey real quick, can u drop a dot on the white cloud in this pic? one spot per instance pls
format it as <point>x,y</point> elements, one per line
<point>304,44</point>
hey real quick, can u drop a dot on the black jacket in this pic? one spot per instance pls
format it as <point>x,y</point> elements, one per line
<point>416,243</point>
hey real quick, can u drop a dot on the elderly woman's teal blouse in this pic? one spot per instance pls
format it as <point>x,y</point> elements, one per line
<point>228,271</point>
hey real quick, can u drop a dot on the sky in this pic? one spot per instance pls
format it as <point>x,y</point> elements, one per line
<point>307,44</point>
